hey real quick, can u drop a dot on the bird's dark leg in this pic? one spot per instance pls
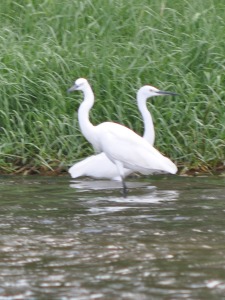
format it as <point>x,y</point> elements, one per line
<point>124,188</point>
<point>121,172</point>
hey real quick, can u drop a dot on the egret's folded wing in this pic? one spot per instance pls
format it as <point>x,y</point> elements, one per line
<point>122,144</point>
<point>97,166</point>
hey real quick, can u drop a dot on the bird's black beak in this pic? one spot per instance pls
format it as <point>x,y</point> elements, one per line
<point>73,88</point>
<point>167,93</point>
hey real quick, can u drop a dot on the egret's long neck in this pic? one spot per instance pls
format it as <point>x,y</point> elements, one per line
<point>149,131</point>
<point>86,127</point>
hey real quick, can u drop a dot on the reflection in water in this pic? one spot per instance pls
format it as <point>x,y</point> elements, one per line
<point>164,241</point>
<point>104,184</point>
<point>150,198</point>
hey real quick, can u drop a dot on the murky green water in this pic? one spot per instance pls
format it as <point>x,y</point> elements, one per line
<point>81,240</point>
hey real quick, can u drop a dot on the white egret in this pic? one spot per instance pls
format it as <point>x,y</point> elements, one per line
<point>122,146</point>
<point>99,166</point>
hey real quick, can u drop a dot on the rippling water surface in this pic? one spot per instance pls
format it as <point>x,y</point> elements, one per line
<point>63,239</point>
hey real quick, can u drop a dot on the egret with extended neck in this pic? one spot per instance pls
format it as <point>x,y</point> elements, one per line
<point>121,145</point>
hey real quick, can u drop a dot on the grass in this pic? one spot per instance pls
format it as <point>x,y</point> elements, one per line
<point>118,46</point>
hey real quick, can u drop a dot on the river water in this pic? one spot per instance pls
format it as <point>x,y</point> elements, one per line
<point>67,239</point>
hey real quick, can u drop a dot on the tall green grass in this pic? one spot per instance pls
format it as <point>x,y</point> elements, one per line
<point>118,46</point>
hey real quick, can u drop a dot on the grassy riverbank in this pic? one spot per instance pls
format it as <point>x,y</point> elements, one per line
<point>118,46</point>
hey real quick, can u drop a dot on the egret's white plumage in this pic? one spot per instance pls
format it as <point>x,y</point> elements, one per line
<point>122,146</point>
<point>99,166</point>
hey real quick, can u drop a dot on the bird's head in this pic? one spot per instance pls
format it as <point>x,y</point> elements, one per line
<point>79,85</point>
<point>148,91</point>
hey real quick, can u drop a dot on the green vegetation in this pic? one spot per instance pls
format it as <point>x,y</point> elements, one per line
<point>118,46</point>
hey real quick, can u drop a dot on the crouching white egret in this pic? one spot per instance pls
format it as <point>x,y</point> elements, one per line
<point>122,146</point>
<point>99,166</point>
